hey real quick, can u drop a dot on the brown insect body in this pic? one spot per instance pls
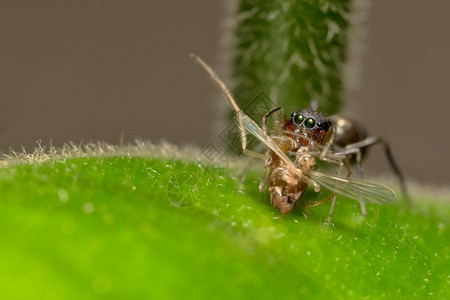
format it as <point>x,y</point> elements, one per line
<point>287,187</point>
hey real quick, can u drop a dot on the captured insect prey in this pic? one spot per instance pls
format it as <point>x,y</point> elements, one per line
<point>299,144</point>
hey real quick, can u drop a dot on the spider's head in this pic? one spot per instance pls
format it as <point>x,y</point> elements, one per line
<point>310,123</point>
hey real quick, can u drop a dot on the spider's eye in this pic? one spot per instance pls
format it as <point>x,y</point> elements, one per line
<point>309,123</point>
<point>298,119</point>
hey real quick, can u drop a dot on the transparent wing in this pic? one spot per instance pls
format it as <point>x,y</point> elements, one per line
<point>254,129</point>
<point>360,190</point>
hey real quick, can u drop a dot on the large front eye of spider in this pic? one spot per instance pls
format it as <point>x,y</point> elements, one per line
<point>309,123</point>
<point>298,119</point>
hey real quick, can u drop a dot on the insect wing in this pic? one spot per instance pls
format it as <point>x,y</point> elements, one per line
<point>254,129</point>
<point>361,190</point>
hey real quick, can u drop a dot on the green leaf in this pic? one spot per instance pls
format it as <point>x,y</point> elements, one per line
<point>132,227</point>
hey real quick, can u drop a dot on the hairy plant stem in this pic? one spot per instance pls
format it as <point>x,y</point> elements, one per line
<point>293,51</point>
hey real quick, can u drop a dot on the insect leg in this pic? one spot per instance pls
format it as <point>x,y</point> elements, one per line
<point>244,138</point>
<point>370,141</point>
<point>248,166</point>
<point>246,169</point>
<point>319,202</point>
<point>264,179</point>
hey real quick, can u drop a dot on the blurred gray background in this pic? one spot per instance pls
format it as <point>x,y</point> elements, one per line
<point>94,70</point>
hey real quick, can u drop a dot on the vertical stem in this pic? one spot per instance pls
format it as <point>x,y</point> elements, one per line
<point>291,50</point>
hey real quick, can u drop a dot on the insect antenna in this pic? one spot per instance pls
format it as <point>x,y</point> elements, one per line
<point>242,119</point>
<point>219,81</point>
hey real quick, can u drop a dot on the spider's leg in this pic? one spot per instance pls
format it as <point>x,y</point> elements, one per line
<point>348,153</point>
<point>329,143</point>
<point>333,197</point>
<point>267,115</point>
<point>370,141</point>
